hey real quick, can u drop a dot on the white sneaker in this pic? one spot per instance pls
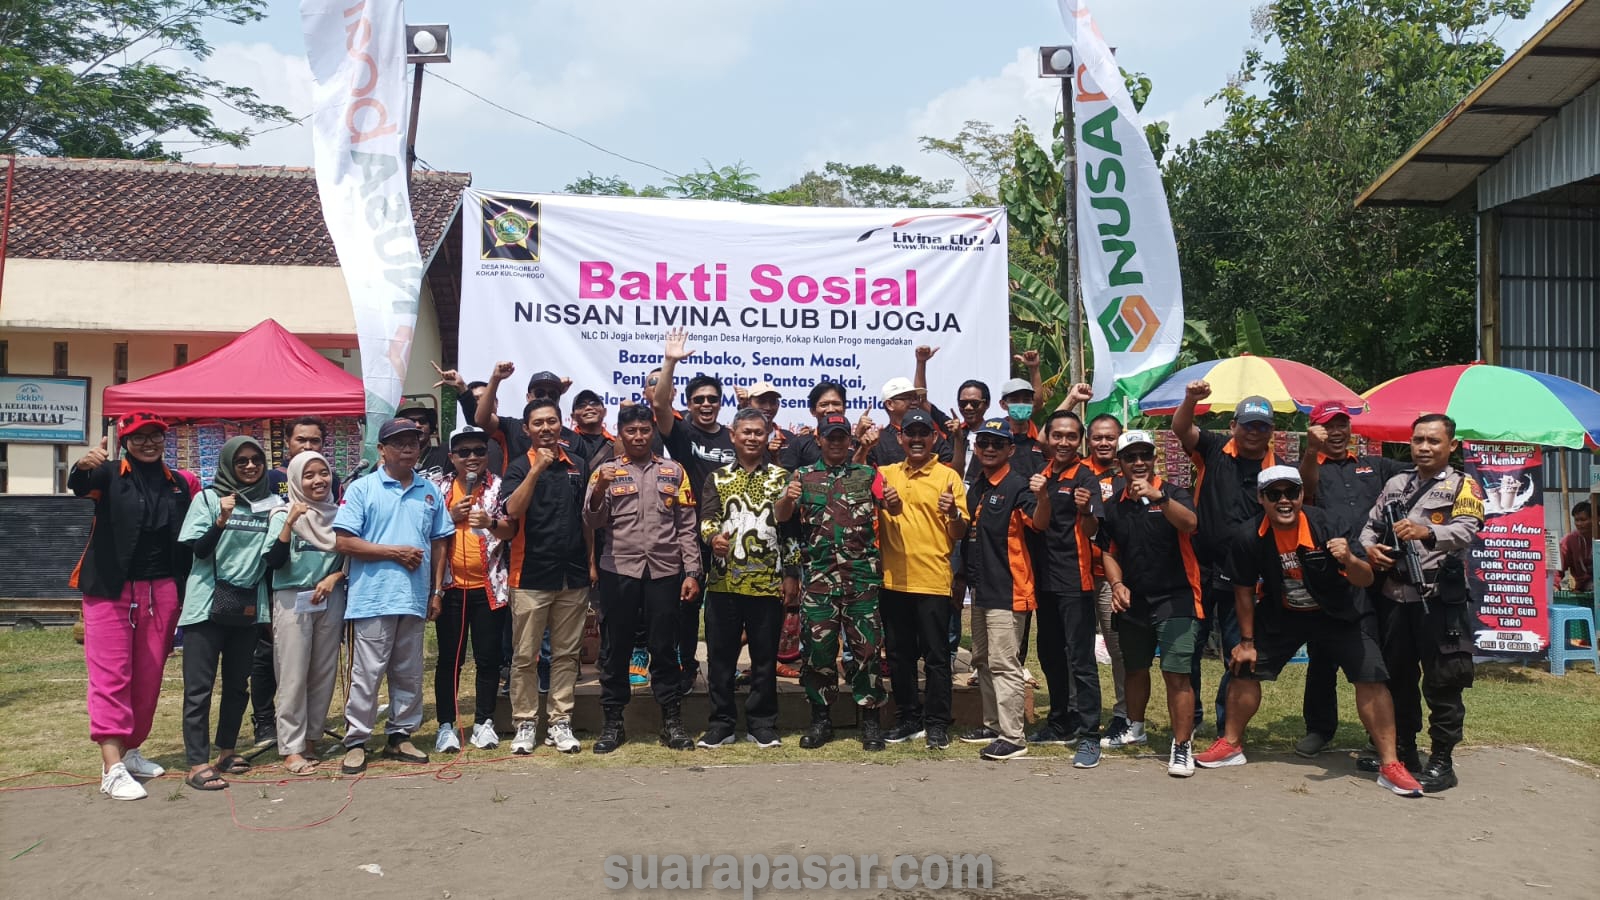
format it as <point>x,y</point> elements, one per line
<point>447,741</point>
<point>561,736</point>
<point>484,737</point>
<point>525,741</point>
<point>139,767</point>
<point>1125,737</point>
<point>1180,760</point>
<point>119,785</point>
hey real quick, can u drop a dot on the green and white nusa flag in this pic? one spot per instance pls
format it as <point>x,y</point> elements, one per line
<point>1127,259</point>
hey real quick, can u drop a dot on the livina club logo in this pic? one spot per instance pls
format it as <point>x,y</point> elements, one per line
<point>1129,324</point>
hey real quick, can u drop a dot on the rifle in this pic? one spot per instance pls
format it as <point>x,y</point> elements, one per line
<point>1410,562</point>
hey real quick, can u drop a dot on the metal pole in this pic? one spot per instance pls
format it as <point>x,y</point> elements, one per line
<point>411,126</point>
<point>1067,280</point>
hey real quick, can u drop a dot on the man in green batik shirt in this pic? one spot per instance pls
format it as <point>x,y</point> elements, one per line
<point>754,569</point>
<point>835,503</point>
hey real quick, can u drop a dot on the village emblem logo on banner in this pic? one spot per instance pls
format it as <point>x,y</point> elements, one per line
<point>510,229</point>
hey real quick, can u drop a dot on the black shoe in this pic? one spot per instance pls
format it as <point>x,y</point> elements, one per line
<point>673,735</point>
<point>1002,749</point>
<point>909,730</point>
<point>821,730</point>
<point>871,731</point>
<point>1049,734</point>
<point>717,734</point>
<point>980,735</point>
<point>266,734</point>
<point>938,737</point>
<point>1440,775</point>
<point>765,738</point>
<point>1368,760</point>
<point>612,734</point>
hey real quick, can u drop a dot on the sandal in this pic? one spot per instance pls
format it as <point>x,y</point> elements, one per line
<point>303,767</point>
<point>355,761</point>
<point>203,780</point>
<point>233,764</point>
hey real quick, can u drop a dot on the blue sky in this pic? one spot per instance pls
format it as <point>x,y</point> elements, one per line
<point>781,85</point>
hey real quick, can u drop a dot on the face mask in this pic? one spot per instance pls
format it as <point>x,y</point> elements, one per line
<point>1020,411</point>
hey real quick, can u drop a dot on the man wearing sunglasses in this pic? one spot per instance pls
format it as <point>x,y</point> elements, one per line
<point>1007,510</point>
<point>1100,455</point>
<point>1343,485</point>
<point>881,446</point>
<point>1298,581</point>
<point>1154,579</point>
<point>700,444</point>
<point>1226,467</point>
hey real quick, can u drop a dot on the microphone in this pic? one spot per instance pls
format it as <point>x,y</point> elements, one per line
<point>472,483</point>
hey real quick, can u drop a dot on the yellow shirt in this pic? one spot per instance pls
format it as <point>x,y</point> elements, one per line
<point>916,544</point>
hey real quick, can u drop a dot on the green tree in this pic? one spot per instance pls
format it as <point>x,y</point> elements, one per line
<point>735,182</point>
<point>1262,205</point>
<point>984,154</point>
<point>610,186</point>
<point>80,77</point>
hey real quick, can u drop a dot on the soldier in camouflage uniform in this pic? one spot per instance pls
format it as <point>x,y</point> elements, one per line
<point>835,503</point>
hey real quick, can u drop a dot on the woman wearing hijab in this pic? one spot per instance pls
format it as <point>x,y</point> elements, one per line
<point>130,576</point>
<point>308,597</point>
<point>226,598</point>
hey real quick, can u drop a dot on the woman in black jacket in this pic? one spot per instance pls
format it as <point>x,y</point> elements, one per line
<point>131,576</point>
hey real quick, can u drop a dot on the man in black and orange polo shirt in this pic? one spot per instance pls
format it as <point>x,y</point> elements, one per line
<point>549,571</point>
<point>1155,583</point>
<point>1100,455</point>
<point>1310,577</point>
<point>1226,466</point>
<point>1063,565</point>
<point>1005,507</point>
<point>1345,486</point>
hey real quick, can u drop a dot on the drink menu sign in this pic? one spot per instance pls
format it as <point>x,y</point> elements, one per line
<point>1506,572</point>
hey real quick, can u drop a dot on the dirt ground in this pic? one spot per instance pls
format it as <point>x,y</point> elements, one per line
<point>1522,824</point>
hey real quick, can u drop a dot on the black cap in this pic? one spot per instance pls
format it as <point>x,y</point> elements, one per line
<point>833,422</point>
<point>396,427</point>
<point>996,428</point>
<point>587,396</point>
<point>468,434</point>
<point>543,378</point>
<point>916,416</point>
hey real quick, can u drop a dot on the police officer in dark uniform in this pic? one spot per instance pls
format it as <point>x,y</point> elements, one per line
<point>1344,486</point>
<point>1427,623</point>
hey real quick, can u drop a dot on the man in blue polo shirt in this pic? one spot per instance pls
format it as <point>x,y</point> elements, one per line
<point>395,529</point>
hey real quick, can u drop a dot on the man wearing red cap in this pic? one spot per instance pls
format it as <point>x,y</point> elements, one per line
<point>1344,486</point>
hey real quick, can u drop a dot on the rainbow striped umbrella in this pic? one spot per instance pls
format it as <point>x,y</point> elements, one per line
<point>1489,403</point>
<point>1290,386</point>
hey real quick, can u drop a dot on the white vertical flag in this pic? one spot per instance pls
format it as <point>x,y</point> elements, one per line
<point>1127,259</point>
<point>357,50</point>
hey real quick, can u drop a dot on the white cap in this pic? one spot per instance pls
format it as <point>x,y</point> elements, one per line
<point>1274,474</point>
<point>894,387</point>
<point>1129,438</point>
<point>1015,386</point>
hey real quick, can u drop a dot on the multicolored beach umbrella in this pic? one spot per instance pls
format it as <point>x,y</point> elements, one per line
<point>1489,403</point>
<point>1290,386</point>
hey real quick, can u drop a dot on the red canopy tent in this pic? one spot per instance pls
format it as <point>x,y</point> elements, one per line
<point>265,373</point>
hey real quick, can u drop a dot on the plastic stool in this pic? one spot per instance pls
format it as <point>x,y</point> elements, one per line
<point>1561,652</point>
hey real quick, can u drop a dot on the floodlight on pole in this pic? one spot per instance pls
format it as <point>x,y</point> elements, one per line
<point>424,44</point>
<point>1057,62</point>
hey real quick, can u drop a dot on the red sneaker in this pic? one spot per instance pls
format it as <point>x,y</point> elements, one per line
<point>1397,778</point>
<point>1220,754</point>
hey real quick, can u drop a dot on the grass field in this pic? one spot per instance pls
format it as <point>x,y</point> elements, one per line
<point>43,725</point>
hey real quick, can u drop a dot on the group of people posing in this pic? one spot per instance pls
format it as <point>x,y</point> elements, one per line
<point>853,544</point>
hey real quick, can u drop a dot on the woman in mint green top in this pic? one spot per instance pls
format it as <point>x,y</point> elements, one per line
<point>308,600</point>
<point>226,527</point>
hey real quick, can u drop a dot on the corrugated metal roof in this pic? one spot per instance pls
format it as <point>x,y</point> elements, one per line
<point>1556,65</point>
<point>1562,151</point>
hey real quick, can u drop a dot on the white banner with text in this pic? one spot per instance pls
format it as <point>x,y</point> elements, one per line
<point>588,287</point>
